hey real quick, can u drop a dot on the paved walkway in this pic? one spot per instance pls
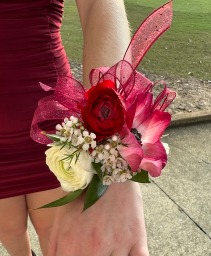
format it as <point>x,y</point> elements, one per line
<point>178,204</point>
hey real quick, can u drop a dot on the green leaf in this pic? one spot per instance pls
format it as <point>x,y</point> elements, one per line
<point>141,177</point>
<point>53,137</point>
<point>64,200</point>
<point>95,190</point>
<point>97,167</point>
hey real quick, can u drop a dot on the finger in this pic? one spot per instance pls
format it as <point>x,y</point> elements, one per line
<point>139,250</point>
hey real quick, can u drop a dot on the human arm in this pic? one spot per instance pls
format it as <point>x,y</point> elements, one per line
<point>106,33</point>
<point>114,225</point>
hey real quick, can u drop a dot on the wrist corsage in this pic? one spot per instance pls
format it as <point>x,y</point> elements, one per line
<point>111,132</point>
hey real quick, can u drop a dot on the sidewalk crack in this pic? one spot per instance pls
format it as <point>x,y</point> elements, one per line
<point>182,210</point>
<point>190,153</point>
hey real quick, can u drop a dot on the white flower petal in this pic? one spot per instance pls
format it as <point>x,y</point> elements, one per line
<point>69,123</point>
<point>108,180</point>
<point>85,146</point>
<point>166,146</point>
<point>58,127</point>
<point>85,133</point>
<point>75,120</point>
<point>92,135</point>
<point>93,144</point>
<point>72,175</point>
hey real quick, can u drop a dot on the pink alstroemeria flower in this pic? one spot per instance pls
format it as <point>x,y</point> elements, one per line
<point>150,121</point>
<point>131,149</point>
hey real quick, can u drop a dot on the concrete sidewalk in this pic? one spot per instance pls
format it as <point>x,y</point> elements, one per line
<point>178,204</point>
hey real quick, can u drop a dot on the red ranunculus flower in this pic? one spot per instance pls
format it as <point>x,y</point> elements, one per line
<point>103,113</point>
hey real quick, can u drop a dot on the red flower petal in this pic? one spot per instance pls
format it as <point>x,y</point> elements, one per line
<point>130,115</point>
<point>155,158</point>
<point>144,102</point>
<point>154,126</point>
<point>155,151</point>
<point>132,152</point>
<point>103,113</point>
<point>154,167</point>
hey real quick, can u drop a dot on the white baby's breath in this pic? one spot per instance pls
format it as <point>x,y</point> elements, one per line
<point>76,138</point>
<point>108,180</point>
<point>58,127</point>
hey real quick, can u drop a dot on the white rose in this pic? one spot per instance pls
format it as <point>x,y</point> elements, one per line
<point>72,176</point>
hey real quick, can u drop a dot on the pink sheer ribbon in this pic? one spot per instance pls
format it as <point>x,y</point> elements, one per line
<point>69,93</point>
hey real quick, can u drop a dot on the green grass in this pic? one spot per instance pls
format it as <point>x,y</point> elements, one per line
<point>71,31</point>
<point>185,49</point>
<point>192,6</point>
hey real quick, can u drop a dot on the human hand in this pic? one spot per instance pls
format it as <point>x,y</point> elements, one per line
<point>113,226</point>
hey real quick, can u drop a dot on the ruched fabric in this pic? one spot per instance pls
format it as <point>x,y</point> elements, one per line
<point>30,52</point>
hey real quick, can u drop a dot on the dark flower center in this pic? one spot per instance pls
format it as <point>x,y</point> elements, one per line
<point>105,111</point>
<point>137,135</point>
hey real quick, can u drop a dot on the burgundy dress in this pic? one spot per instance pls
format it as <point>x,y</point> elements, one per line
<point>30,52</point>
